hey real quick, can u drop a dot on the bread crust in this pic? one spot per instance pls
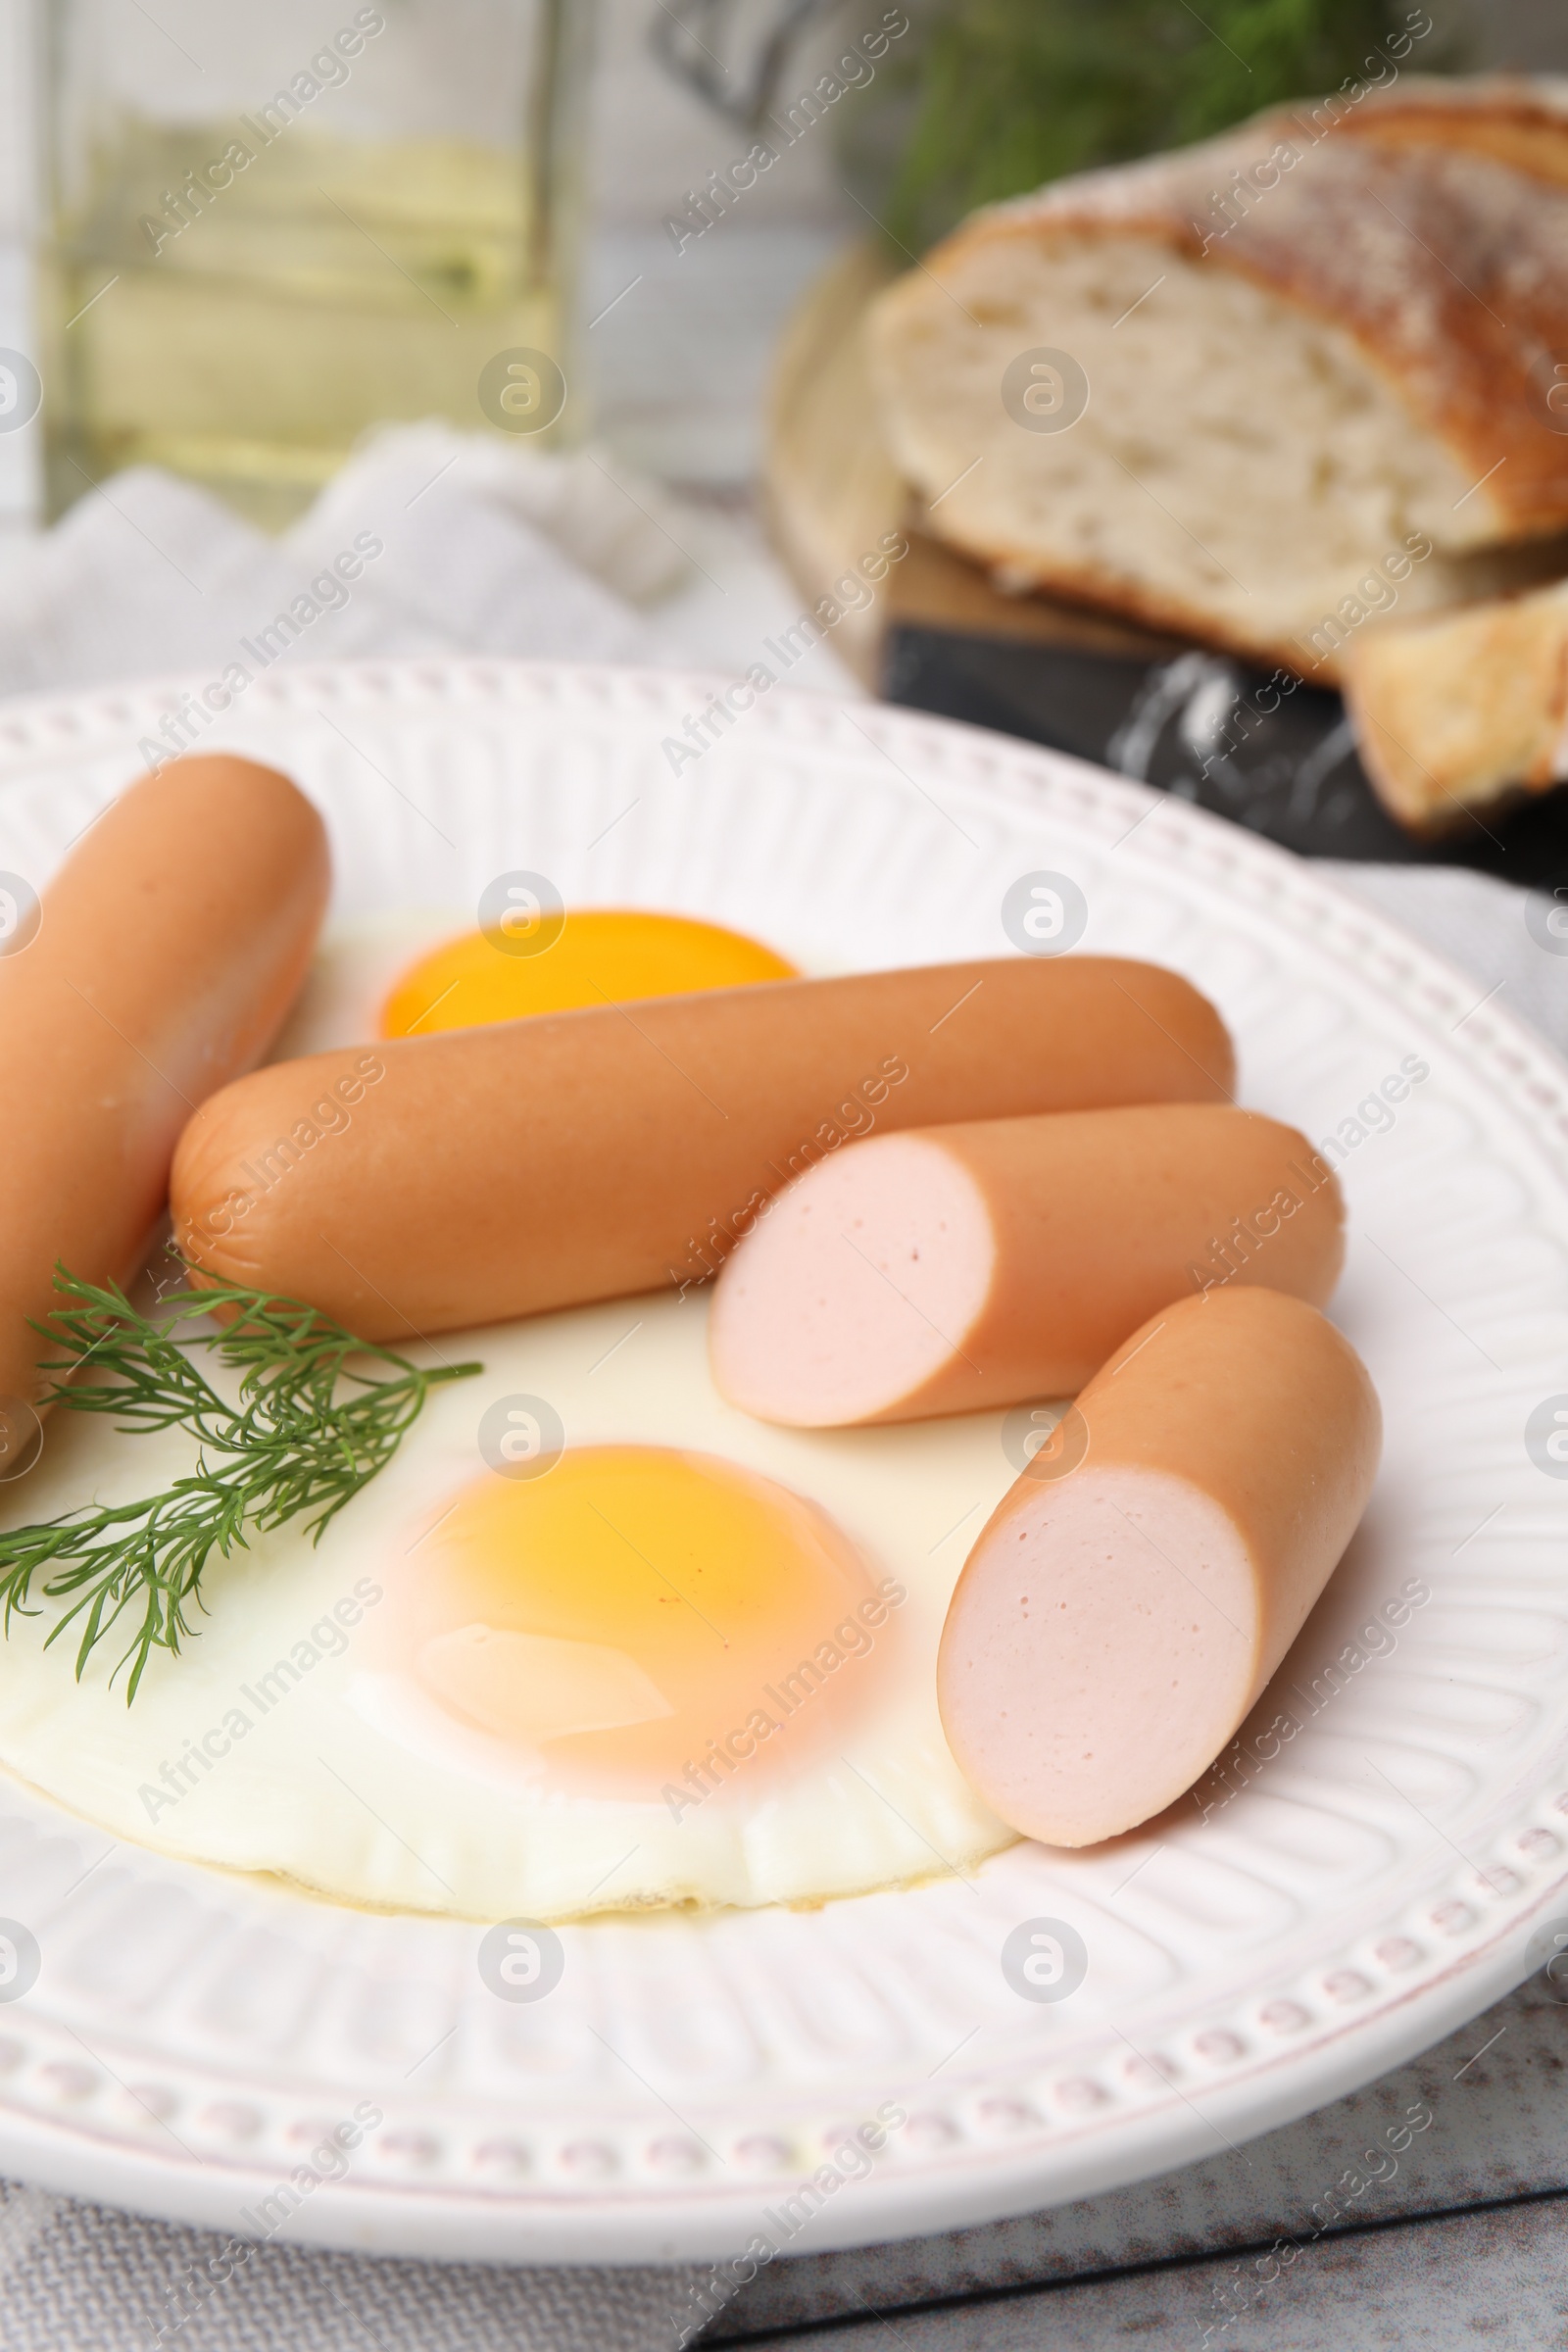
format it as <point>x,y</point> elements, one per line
<point>1428,223</point>
<point>1514,119</point>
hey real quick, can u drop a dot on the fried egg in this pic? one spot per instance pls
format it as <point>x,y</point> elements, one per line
<point>691,1659</point>
<point>593,1640</point>
<point>554,1616</point>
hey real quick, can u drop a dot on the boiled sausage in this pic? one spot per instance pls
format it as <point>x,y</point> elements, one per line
<point>492,1172</point>
<point>171,946</point>
<point>1127,1602</point>
<point>971,1266</point>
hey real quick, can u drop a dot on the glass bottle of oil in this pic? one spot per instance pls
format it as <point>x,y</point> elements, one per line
<point>274,227</point>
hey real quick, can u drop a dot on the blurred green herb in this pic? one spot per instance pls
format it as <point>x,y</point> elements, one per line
<point>291,1447</point>
<point>1002,95</point>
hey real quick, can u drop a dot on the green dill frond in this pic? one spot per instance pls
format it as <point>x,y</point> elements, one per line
<point>292,1448</point>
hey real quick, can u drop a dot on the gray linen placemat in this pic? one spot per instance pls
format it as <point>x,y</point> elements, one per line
<point>84,2278</point>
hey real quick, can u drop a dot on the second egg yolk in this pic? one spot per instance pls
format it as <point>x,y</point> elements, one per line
<point>591,956</point>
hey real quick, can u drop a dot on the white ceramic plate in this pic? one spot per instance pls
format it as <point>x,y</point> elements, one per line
<point>1370,1886</point>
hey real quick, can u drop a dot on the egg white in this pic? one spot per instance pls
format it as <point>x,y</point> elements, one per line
<point>335,1774</point>
<point>352,1785</point>
<point>352,973</point>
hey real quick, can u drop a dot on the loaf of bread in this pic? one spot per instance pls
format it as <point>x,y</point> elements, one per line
<point>1266,391</point>
<point>1462,713</point>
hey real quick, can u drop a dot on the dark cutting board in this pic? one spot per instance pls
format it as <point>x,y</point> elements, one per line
<point>1297,778</point>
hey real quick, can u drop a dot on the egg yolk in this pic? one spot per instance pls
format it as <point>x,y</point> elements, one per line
<point>591,956</point>
<point>644,1621</point>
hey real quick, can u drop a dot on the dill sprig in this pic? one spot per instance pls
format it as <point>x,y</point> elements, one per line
<point>290,1447</point>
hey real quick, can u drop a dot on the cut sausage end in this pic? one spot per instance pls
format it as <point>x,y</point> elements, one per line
<point>1114,1624</point>
<point>985,1262</point>
<point>1093,1668</point>
<point>857,1286</point>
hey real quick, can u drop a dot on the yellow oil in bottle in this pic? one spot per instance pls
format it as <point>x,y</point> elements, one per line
<point>244,334</point>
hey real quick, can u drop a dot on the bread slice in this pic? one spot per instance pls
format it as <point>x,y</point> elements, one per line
<point>1318,357</point>
<point>1462,712</point>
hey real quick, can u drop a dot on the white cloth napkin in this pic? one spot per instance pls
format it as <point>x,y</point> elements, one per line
<point>461,544</point>
<point>477,547</point>
<point>460,549</point>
